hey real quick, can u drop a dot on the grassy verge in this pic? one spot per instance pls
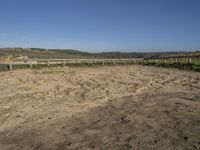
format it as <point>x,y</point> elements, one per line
<point>181,64</point>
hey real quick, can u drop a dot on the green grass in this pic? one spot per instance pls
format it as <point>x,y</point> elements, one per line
<point>181,64</point>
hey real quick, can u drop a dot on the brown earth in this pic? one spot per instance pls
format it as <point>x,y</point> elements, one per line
<point>5,59</point>
<point>117,107</point>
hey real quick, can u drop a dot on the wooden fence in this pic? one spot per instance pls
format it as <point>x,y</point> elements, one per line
<point>64,62</point>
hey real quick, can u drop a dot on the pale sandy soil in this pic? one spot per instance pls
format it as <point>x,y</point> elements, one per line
<point>115,108</point>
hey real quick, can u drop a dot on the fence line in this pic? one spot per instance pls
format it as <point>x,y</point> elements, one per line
<point>37,61</point>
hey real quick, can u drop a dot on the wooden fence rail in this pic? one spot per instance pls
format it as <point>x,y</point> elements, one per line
<point>36,61</point>
<point>63,62</point>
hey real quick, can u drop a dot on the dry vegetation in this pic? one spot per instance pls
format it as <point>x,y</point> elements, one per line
<point>69,53</point>
<point>118,107</point>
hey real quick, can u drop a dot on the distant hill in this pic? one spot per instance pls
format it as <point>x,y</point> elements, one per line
<point>43,53</point>
<point>70,53</point>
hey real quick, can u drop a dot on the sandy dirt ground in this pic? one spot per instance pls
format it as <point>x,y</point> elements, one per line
<point>103,108</point>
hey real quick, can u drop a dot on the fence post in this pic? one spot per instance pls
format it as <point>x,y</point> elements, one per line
<point>156,61</point>
<point>103,62</point>
<point>114,62</point>
<point>176,60</point>
<point>30,63</point>
<point>190,60</point>
<point>64,63</point>
<point>48,62</point>
<point>124,61</point>
<point>10,65</point>
<point>165,60</point>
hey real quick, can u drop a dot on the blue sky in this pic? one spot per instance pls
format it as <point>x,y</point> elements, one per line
<point>101,25</point>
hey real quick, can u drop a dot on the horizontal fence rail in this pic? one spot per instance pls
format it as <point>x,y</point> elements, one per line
<point>30,63</point>
<point>64,62</point>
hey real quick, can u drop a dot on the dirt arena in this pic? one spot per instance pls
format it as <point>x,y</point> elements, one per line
<point>101,108</point>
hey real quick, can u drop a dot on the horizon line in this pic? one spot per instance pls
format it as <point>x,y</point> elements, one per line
<point>108,51</point>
